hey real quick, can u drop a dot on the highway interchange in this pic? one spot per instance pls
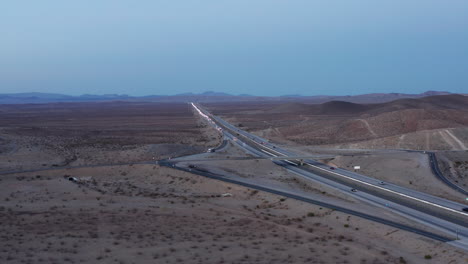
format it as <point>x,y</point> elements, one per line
<point>441,214</point>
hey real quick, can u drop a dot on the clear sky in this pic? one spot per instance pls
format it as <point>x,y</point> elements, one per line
<point>260,47</point>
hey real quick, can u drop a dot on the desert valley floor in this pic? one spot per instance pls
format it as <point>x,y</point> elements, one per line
<point>125,208</point>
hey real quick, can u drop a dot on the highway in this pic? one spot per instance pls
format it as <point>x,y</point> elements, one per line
<point>433,211</point>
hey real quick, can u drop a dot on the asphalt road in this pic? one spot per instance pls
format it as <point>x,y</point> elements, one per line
<point>434,211</point>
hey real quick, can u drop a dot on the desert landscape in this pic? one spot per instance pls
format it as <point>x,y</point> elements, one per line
<point>234,132</point>
<point>80,183</point>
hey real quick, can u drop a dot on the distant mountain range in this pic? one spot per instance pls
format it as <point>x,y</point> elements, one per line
<point>209,96</point>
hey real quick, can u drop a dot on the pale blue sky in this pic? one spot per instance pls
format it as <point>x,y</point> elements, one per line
<point>260,47</point>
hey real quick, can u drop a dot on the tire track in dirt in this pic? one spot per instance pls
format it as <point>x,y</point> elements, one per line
<point>453,141</point>
<point>463,147</point>
<point>368,127</point>
<point>400,140</point>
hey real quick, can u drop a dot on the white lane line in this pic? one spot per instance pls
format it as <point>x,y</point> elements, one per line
<point>268,152</point>
<point>290,162</point>
<point>273,150</point>
<point>388,190</point>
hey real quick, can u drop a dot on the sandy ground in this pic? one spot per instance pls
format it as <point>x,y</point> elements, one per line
<point>28,154</point>
<point>149,214</point>
<point>47,136</point>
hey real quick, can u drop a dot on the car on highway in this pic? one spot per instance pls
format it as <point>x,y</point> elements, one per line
<point>465,209</point>
<point>73,179</point>
<point>332,168</point>
<point>353,190</point>
<point>192,166</point>
<point>382,183</point>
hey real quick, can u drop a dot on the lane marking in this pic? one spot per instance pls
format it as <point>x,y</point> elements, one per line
<point>268,152</point>
<point>290,162</point>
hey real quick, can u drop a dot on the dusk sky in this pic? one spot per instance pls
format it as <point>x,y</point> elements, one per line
<point>259,47</point>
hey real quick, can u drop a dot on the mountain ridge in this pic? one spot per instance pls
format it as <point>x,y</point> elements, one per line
<point>208,96</point>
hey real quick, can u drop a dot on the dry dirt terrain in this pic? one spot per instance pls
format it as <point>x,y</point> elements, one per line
<point>73,134</point>
<point>150,214</point>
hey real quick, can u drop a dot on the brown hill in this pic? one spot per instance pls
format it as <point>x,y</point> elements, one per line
<point>338,122</point>
<point>453,101</point>
<point>439,102</point>
<point>342,108</point>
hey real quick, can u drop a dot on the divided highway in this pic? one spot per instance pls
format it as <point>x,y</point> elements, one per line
<point>437,212</point>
